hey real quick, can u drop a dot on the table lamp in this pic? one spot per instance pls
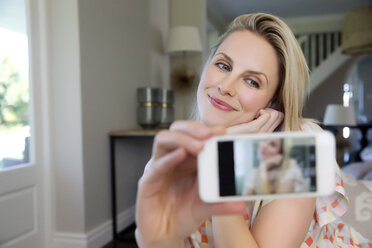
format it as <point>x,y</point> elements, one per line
<point>182,40</point>
<point>337,115</point>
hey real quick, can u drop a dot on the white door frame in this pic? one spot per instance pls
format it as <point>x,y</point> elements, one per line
<point>39,51</point>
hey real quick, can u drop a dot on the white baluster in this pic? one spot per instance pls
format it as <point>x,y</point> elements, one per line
<point>303,41</point>
<point>313,52</point>
<point>321,48</point>
<point>329,45</point>
<point>335,40</point>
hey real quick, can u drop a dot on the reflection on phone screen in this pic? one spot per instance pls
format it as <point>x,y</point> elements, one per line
<point>266,166</point>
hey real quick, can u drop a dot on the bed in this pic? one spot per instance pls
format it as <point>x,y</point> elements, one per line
<point>358,186</point>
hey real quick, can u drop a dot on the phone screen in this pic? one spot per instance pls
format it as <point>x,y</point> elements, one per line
<point>266,166</point>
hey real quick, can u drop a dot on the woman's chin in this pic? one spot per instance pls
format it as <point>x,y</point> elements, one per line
<point>223,122</point>
<point>212,121</point>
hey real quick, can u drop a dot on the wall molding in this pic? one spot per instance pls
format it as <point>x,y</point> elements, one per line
<point>316,23</point>
<point>97,237</point>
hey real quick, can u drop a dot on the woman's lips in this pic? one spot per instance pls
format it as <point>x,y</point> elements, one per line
<point>220,104</point>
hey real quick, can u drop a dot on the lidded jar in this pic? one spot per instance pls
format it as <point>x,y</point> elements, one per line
<point>147,99</point>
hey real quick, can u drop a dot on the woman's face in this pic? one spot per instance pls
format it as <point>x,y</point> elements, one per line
<point>240,79</point>
<point>269,148</point>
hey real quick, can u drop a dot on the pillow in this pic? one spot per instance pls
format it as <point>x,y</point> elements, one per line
<point>368,175</point>
<point>359,213</point>
<point>366,154</point>
<point>357,170</point>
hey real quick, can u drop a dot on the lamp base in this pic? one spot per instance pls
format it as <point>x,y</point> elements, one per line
<point>182,78</point>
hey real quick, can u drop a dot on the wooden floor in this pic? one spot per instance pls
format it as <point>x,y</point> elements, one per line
<point>128,239</point>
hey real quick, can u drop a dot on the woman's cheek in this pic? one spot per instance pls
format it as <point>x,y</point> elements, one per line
<point>252,104</point>
<point>244,118</point>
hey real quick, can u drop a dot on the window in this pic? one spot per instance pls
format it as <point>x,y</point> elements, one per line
<point>14,85</point>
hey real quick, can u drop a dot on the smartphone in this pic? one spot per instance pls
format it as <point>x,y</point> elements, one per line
<point>267,166</point>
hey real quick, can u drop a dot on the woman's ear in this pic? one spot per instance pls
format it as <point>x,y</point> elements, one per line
<point>272,105</point>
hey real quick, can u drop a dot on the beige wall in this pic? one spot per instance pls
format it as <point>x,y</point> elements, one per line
<point>193,13</point>
<point>65,119</point>
<point>329,92</point>
<point>103,51</point>
<point>365,72</point>
<point>159,26</point>
<point>115,51</point>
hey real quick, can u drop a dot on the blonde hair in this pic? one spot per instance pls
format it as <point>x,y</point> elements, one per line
<point>293,70</point>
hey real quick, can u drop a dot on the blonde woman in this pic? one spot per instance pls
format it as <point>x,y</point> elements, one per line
<point>276,172</point>
<point>253,82</point>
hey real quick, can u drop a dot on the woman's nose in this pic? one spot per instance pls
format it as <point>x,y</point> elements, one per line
<point>263,145</point>
<point>227,87</point>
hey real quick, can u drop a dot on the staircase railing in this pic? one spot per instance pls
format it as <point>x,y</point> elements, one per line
<point>317,47</point>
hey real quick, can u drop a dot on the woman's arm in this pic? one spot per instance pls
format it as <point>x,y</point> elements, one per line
<point>232,231</point>
<point>168,207</point>
<point>286,221</point>
<point>285,187</point>
<point>280,223</point>
<point>291,177</point>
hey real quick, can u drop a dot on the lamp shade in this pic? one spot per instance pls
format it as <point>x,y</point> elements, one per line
<point>338,115</point>
<point>357,31</point>
<point>184,39</point>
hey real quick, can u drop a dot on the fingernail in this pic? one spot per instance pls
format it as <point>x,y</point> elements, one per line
<point>203,131</point>
<point>259,113</point>
<point>197,144</point>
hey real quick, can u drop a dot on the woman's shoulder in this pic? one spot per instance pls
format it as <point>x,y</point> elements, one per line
<point>309,125</point>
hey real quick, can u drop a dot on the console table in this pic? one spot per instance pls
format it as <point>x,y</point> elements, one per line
<point>115,136</point>
<point>363,128</point>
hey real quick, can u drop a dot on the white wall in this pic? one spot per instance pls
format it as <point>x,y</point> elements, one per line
<point>159,26</point>
<point>66,119</point>
<point>115,50</point>
<point>365,74</point>
<point>193,13</point>
<point>102,51</point>
<point>318,23</point>
<point>100,54</point>
<point>329,92</point>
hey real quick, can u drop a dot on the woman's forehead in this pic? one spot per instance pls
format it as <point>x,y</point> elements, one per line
<point>250,51</point>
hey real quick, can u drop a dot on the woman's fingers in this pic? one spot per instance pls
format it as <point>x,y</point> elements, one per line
<point>278,121</point>
<point>267,120</point>
<point>254,126</point>
<point>171,147</point>
<point>166,141</point>
<point>196,129</point>
<point>271,162</point>
<point>163,165</point>
<point>274,121</point>
<point>206,210</point>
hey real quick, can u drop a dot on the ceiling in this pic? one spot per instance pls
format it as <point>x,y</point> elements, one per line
<point>13,15</point>
<point>222,12</point>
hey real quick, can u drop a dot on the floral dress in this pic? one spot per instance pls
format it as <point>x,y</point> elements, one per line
<point>326,229</point>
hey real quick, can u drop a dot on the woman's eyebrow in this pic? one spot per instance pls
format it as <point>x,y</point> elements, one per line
<point>225,56</point>
<point>249,71</point>
<point>259,74</point>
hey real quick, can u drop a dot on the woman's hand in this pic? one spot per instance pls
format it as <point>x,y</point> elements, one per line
<point>232,231</point>
<point>271,162</point>
<point>266,122</point>
<point>168,205</point>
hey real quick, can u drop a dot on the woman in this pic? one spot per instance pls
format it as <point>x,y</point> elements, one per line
<point>276,172</point>
<point>254,81</point>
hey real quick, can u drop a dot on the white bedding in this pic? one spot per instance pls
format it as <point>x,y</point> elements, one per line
<point>368,184</point>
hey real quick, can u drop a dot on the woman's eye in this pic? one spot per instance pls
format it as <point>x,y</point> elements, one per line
<point>253,83</point>
<point>223,66</point>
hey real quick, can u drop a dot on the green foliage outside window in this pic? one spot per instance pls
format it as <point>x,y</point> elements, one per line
<point>13,95</point>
